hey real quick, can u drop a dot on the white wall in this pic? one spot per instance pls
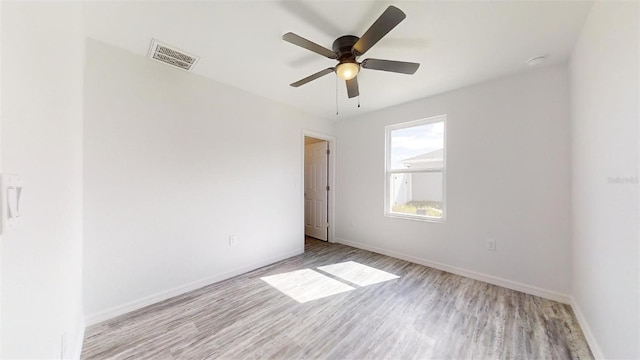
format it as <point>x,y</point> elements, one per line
<point>174,164</point>
<point>604,86</point>
<point>426,186</point>
<point>508,179</point>
<point>0,170</point>
<point>42,60</point>
<point>416,187</point>
<point>400,189</point>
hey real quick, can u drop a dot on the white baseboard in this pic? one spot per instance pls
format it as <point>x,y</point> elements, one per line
<point>77,348</point>
<point>528,289</point>
<point>586,330</point>
<point>152,299</point>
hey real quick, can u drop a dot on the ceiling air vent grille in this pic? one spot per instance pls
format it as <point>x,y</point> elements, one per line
<point>171,56</point>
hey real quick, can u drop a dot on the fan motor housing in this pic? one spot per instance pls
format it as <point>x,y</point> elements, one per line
<point>343,47</point>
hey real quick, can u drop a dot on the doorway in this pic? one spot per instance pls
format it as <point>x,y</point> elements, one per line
<point>318,181</point>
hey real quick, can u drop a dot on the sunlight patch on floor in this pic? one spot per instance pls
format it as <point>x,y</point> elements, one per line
<point>306,285</point>
<point>359,274</point>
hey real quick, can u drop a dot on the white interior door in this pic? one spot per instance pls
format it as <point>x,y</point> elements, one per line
<point>315,190</point>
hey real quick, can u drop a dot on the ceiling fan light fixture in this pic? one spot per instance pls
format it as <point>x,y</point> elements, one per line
<point>347,70</point>
<point>347,48</point>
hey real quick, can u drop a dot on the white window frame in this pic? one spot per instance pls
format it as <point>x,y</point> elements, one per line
<point>389,171</point>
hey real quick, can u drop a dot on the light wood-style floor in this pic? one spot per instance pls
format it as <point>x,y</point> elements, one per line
<point>381,308</point>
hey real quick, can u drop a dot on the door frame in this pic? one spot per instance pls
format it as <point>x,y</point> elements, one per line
<point>331,179</point>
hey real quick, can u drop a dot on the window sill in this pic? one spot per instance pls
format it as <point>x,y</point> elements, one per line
<point>416,218</point>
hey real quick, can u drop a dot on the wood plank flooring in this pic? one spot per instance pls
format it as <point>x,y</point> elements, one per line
<point>380,308</point>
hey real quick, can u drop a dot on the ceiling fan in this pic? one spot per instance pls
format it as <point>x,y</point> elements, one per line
<point>347,48</point>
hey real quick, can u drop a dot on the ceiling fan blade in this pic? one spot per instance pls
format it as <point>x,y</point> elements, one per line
<point>352,87</point>
<point>312,77</point>
<point>385,23</point>
<point>309,45</point>
<point>390,65</point>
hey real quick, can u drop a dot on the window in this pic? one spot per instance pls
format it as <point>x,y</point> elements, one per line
<point>415,169</point>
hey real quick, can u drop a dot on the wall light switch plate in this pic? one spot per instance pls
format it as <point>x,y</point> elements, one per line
<point>10,194</point>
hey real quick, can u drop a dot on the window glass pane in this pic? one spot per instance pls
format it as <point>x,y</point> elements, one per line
<point>418,147</point>
<point>416,193</point>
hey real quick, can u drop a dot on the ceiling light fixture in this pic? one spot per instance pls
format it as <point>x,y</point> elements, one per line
<point>347,70</point>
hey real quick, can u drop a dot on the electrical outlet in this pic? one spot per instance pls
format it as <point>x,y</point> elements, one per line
<point>491,245</point>
<point>233,240</point>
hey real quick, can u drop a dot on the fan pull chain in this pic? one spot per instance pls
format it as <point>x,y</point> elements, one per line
<point>358,100</point>
<point>336,96</point>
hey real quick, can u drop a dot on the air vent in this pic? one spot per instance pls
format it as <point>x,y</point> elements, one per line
<point>169,55</point>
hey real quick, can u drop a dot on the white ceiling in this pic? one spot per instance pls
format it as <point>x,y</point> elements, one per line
<point>239,43</point>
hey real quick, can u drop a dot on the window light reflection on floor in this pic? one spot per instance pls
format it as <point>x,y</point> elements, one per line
<point>307,284</point>
<point>359,274</point>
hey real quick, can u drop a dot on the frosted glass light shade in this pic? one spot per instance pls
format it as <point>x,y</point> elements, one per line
<point>347,71</point>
